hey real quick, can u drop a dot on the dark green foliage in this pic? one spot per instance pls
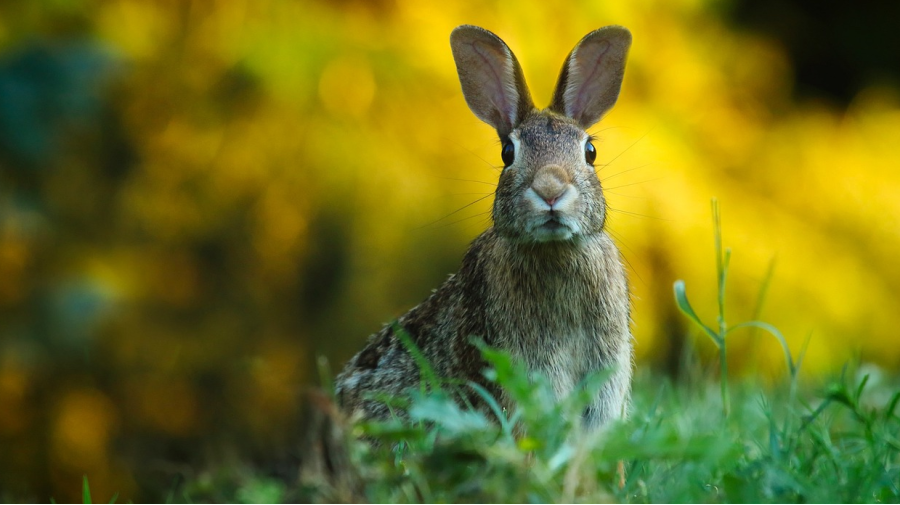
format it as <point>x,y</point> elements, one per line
<point>839,443</point>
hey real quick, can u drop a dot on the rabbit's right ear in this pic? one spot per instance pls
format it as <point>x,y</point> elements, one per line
<point>491,78</point>
<point>591,76</point>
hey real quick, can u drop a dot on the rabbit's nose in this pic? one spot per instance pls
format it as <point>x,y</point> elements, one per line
<point>550,182</point>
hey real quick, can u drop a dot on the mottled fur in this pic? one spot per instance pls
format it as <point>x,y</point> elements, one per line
<point>545,283</point>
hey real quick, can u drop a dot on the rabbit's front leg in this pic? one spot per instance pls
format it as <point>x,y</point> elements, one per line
<point>611,401</point>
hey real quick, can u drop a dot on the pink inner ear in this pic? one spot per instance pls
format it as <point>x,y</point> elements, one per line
<point>492,78</point>
<point>586,83</point>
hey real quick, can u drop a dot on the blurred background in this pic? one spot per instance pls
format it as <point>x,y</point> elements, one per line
<point>198,198</point>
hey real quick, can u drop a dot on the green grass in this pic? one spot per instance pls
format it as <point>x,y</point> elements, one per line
<point>699,440</point>
<point>838,443</point>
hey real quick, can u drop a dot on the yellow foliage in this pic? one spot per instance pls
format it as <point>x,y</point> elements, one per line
<point>303,172</point>
<point>82,429</point>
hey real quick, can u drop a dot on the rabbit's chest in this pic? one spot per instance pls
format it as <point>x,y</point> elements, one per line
<point>564,314</point>
<point>562,335</point>
<point>568,355</point>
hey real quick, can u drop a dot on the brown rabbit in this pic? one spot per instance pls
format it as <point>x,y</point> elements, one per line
<point>545,283</point>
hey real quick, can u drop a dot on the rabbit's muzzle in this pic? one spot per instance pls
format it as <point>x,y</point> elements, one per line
<point>552,199</point>
<point>551,183</point>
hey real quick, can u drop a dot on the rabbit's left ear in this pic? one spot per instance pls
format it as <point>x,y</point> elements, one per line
<point>591,76</point>
<point>491,78</point>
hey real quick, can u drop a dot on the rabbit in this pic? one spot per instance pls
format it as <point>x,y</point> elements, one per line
<point>546,283</point>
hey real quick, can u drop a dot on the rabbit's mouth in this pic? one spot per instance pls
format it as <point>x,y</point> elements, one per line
<point>552,228</point>
<point>554,223</point>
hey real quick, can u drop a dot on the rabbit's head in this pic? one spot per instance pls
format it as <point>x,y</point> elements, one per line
<point>548,190</point>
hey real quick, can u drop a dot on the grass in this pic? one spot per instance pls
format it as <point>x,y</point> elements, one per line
<point>692,441</point>
<point>835,443</point>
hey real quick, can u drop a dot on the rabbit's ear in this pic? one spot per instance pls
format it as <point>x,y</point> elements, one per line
<point>591,76</point>
<point>491,78</point>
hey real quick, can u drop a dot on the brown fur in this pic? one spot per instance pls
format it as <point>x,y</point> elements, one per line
<point>545,283</point>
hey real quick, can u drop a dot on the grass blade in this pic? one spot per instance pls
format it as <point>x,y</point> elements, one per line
<point>431,378</point>
<point>85,490</point>
<point>494,406</point>
<point>775,333</point>
<point>889,411</point>
<point>684,305</point>
<point>859,389</point>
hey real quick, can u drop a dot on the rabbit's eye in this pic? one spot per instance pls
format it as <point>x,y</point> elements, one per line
<point>508,153</point>
<point>590,154</point>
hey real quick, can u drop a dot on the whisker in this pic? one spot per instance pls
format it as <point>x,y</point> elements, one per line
<point>634,183</point>
<point>623,195</point>
<point>454,212</point>
<point>473,153</point>
<point>636,214</point>
<point>468,180</point>
<point>598,132</point>
<point>624,172</point>
<point>486,162</point>
<point>624,257</point>
<point>464,219</point>
<point>608,163</point>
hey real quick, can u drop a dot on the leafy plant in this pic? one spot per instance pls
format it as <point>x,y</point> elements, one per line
<point>722,329</point>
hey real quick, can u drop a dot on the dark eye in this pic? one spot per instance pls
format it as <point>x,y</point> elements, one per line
<point>590,154</point>
<point>508,153</point>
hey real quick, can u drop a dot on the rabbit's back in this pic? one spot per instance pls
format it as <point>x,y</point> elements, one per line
<point>439,328</point>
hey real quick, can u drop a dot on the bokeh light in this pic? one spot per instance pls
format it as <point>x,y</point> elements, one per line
<point>198,199</point>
